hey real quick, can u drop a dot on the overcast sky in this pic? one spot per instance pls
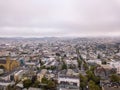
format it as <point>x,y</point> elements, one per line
<point>38,18</point>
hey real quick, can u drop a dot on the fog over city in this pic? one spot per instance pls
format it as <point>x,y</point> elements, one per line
<point>59,44</point>
<point>66,18</point>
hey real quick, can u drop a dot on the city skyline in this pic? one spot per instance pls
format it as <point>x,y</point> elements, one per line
<point>59,18</point>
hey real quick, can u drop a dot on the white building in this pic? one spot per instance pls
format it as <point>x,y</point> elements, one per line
<point>97,61</point>
<point>69,79</point>
<point>18,75</point>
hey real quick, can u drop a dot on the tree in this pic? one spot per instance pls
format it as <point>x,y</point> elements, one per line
<point>43,67</point>
<point>93,86</point>
<point>44,80</point>
<point>91,76</point>
<point>92,68</point>
<point>64,66</point>
<point>79,63</point>
<point>83,81</point>
<point>51,68</point>
<point>85,66</point>
<point>114,78</point>
<point>27,83</point>
<point>96,79</point>
<point>2,67</point>
<point>36,84</point>
<point>51,84</point>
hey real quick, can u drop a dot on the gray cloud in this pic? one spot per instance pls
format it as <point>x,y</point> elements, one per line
<point>59,17</point>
